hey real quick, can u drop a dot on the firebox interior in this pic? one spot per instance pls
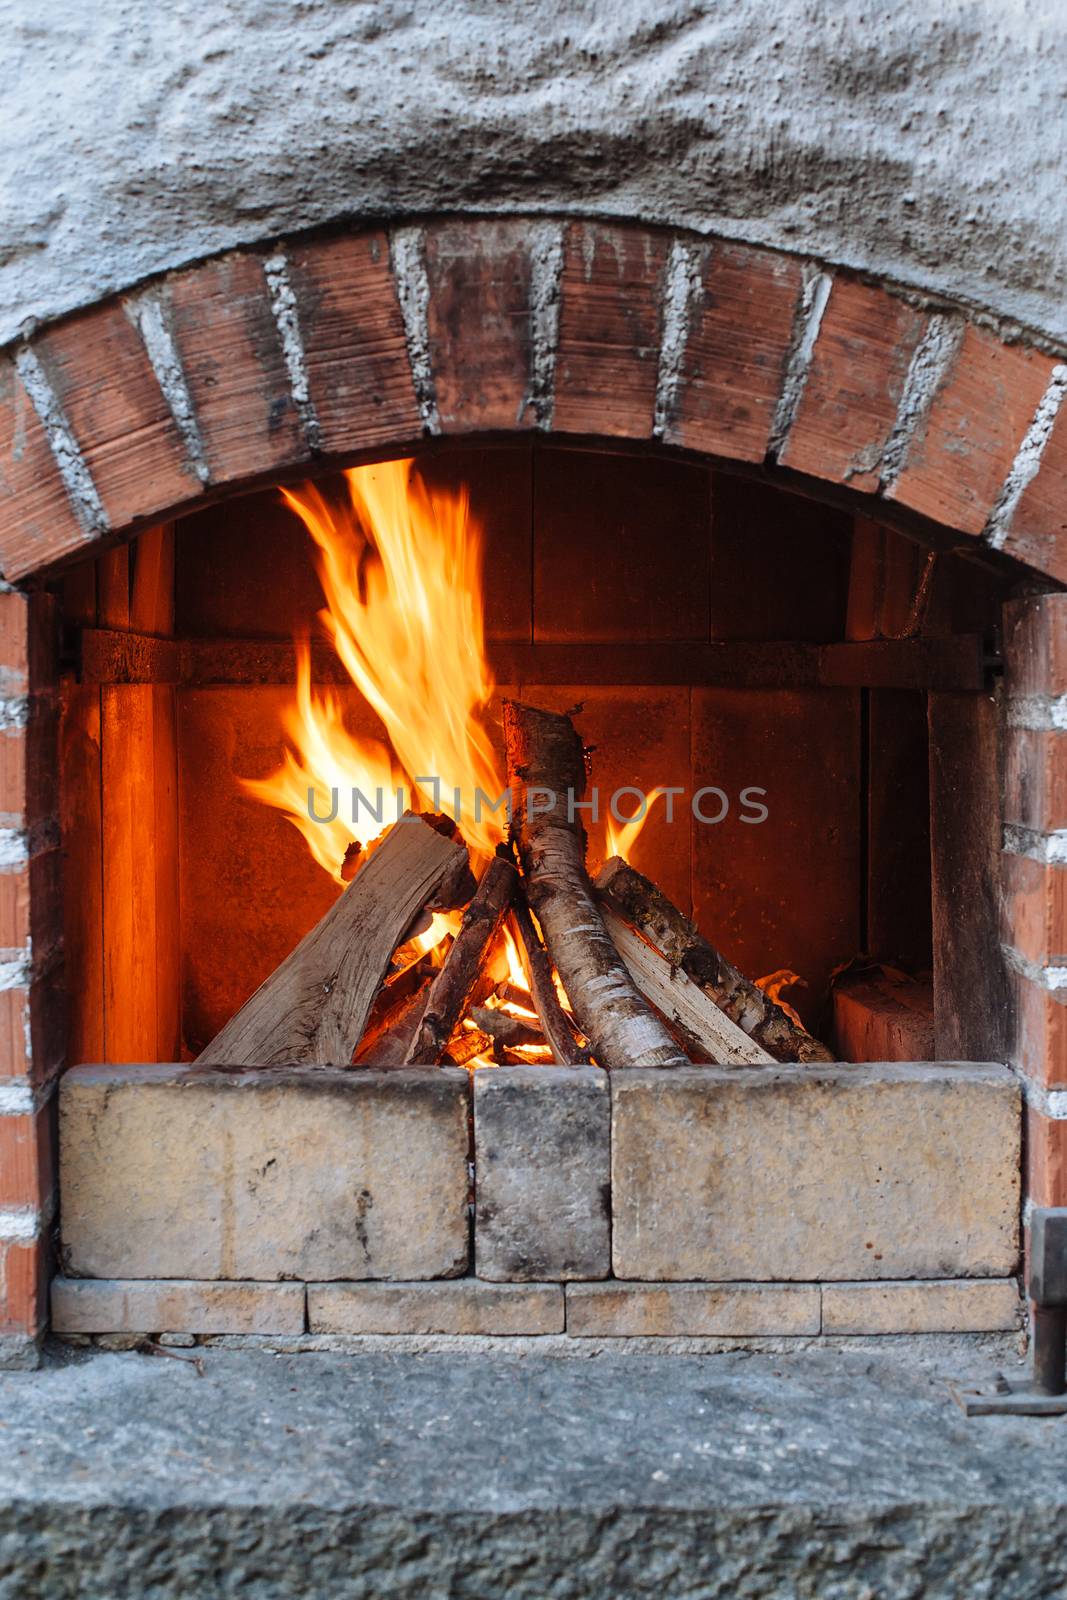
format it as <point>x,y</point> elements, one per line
<point>715,632</point>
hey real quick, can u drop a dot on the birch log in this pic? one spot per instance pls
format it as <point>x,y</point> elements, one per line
<point>708,1033</point>
<point>646,908</point>
<point>546,769</point>
<point>314,1007</point>
<point>559,1030</point>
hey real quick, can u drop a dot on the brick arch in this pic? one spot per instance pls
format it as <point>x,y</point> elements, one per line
<point>260,362</point>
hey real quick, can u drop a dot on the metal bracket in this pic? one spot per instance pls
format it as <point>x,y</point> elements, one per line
<point>1044,1392</point>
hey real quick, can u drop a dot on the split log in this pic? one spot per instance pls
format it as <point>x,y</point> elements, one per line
<point>646,908</point>
<point>387,1044</point>
<point>558,1028</point>
<point>506,1026</point>
<point>546,769</point>
<point>707,1032</point>
<point>456,980</point>
<point>314,1007</point>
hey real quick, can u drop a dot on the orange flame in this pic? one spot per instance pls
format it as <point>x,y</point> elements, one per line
<point>623,836</point>
<point>772,986</point>
<point>401,574</point>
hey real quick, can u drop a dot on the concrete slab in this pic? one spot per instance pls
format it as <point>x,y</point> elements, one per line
<point>825,1474</point>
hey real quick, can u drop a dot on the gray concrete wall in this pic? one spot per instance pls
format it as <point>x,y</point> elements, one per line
<point>922,139</point>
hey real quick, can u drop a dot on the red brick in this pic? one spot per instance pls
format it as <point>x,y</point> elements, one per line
<point>33,1030</point>
<point>854,385</point>
<point>1035,645</point>
<point>736,352</point>
<point>958,461</point>
<point>609,330</point>
<point>1038,530</point>
<point>1041,1033</point>
<point>37,519</point>
<point>26,1160</point>
<point>359,374</point>
<point>14,644</point>
<point>1035,779</point>
<point>23,1286</point>
<point>117,413</point>
<point>479,323</point>
<point>1034,909</point>
<point>1046,1159</point>
<point>232,357</point>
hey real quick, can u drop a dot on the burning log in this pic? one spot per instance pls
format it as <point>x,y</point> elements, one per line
<point>645,907</point>
<point>387,1044</point>
<point>505,1027</point>
<point>707,1032</point>
<point>546,769</point>
<point>558,1028</point>
<point>453,985</point>
<point>314,1007</point>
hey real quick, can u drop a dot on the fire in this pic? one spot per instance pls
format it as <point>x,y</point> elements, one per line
<point>623,836</point>
<point>772,986</point>
<point>401,574</point>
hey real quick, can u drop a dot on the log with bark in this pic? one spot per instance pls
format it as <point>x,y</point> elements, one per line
<point>314,1007</point>
<point>506,1027</point>
<point>707,1033</point>
<point>386,1042</point>
<point>558,1028</point>
<point>454,984</point>
<point>645,907</point>
<point>546,770</point>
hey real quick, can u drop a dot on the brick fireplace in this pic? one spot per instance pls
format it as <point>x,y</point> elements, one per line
<point>765,522</point>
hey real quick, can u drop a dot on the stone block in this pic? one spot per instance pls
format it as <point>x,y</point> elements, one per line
<point>541,1141</point>
<point>902,1170</point>
<point>462,1305</point>
<point>962,1305</point>
<point>104,1305</point>
<point>679,1310</point>
<point>314,1172</point>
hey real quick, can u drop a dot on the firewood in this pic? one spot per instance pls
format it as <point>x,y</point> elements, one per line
<point>453,985</point>
<point>558,1028</point>
<point>707,1032</point>
<point>546,769</point>
<point>506,1026</point>
<point>646,908</point>
<point>386,1045</point>
<point>465,1045</point>
<point>314,1007</point>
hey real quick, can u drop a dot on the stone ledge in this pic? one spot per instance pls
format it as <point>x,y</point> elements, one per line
<point>282,1173</point>
<point>964,1305</point>
<point>836,1173</point>
<point>100,1305</point>
<point>459,1306</point>
<point>601,1310</point>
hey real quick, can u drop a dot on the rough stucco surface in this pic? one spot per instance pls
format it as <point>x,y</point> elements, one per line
<point>915,139</point>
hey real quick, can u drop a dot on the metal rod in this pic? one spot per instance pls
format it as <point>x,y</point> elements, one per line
<point>1050,1349</point>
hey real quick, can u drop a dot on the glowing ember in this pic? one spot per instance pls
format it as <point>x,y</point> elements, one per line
<point>401,574</point>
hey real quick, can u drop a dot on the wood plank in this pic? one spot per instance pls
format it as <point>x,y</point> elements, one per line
<point>720,1042</point>
<point>972,990</point>
<point>898,829</point>
<point>152,598</point>
<point>82,827</point>
<point>314,1007</point>
<point>113,587</point>
<point>955,662</point>
<point>128,868</point>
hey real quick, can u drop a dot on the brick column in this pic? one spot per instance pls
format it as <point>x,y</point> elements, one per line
<point>30,952</point>
<point>1034,878</point>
